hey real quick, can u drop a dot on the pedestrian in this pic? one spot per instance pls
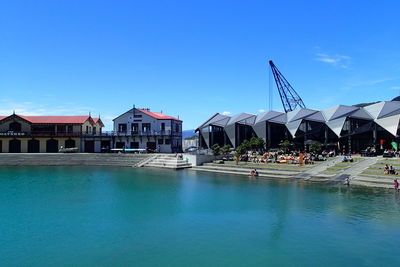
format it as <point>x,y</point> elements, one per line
<point>347,181</point>
<point>396,185</point>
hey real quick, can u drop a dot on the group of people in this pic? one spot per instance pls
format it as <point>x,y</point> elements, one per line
<point>348,158</point>
<point>389,153</point>
<point>389,170</point>
<point>253,173</point>
<point>370,151</point>
<point>274,157</point>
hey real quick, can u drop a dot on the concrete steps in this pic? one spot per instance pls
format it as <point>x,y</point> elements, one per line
<point>245,171</point>
<point>376,181</point>
<point>292,168</point>
<point>167,162</point>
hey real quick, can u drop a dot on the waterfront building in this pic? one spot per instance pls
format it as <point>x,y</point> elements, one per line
<point>144,129</point>
<point>348,128</point>
<point>34,134</point>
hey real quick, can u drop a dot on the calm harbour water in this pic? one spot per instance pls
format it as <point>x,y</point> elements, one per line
<point>80,216</point>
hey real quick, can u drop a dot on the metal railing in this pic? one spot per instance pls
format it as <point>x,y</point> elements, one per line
<point>142,133</point>
<point>87,134</point>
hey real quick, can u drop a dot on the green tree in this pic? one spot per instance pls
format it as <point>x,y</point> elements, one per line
<point>245,145</point>
<point>225,149</point>
<point>286,146</point>
<point>257,143</point>
<point>241,150</point>
<point>315,148</point>
<point>216,150</point>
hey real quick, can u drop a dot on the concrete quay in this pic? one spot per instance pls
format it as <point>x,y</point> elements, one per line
<point>71,159</point>
<point>362,172</point>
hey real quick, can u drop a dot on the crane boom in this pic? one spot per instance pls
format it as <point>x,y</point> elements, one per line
<point>289,97</point>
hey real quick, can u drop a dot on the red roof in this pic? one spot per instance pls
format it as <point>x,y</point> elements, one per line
<point>3,117</point>
<point>96,120</point>
<point>158,116</point>
<point>55,119</point>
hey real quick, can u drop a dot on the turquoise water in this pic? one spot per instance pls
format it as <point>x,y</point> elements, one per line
<point>75,216</point>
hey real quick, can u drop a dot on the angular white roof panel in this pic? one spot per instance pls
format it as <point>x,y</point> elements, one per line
<point>343,111</point>
<point>375,109</point>
<point>390,108</point>
<point>317,116</point>
<point>241,117</point>
<point>293,127</point>
<point>216,119</point>
<point>300,114</point>
<point>221,122</point>
<point>328,113</point>
<point>336,112</point>
<point>361,114</point>
<point>265,116</point>
<point>336,125</point>
<point>390,124</point>
<point>281,119</point>
<point>291,114</point>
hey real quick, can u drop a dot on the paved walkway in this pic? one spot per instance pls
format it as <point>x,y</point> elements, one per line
<point>359,167</point>
<point>323,166</point>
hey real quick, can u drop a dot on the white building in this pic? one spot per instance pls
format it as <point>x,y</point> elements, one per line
<point>141,128</point>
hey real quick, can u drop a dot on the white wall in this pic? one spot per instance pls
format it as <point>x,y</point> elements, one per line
<point>198,160</point>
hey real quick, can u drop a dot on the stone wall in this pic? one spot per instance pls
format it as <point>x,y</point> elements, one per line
<point>71,159</point>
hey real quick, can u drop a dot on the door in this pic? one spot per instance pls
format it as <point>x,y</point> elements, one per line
<point>120,145</point>
<point>14,146</point>
<point>52,146</point>
<point>89,146</point>
<point>70,143</point>
<point>151,146</point>
<point>135,145</point>
<point>105,146</point>
<point>33,146</point>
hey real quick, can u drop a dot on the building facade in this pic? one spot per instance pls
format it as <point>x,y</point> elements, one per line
<point>47,134</point>
<point>348,128</point>
<point>143,129</point>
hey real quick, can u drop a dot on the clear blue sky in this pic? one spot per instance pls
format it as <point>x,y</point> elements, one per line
<point>193,58</point>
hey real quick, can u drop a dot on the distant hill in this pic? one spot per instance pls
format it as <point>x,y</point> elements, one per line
<point>361,105</point>
<point>188,133</point>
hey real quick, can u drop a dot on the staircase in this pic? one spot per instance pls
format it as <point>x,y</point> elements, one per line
<point>262,172</point>
<point>71,159</point>
<point>167,161</point>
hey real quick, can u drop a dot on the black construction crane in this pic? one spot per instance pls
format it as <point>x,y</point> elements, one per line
<point>289,97</point>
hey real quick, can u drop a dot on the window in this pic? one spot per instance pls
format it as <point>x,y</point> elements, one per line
<point>122,127</point>
<point>94,130</point>
<point>160,141</point>
<point>87,129</point>
<point>137,116</point>
<point>176,127</point>
<point>146,127</point>
<point>15,126</point>
<point>163,126</point>
<point>135,127</point>
<point>167,141</point>
<point>69,128</point>
<point>61,128</point>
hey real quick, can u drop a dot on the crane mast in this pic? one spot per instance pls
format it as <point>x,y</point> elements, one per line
<point>289,97</point>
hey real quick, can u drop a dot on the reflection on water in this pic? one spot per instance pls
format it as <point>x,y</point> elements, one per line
<point>124,216</point>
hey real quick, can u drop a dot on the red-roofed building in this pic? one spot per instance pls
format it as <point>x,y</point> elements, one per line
<point>144,129</point>
<point>34,134</point>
